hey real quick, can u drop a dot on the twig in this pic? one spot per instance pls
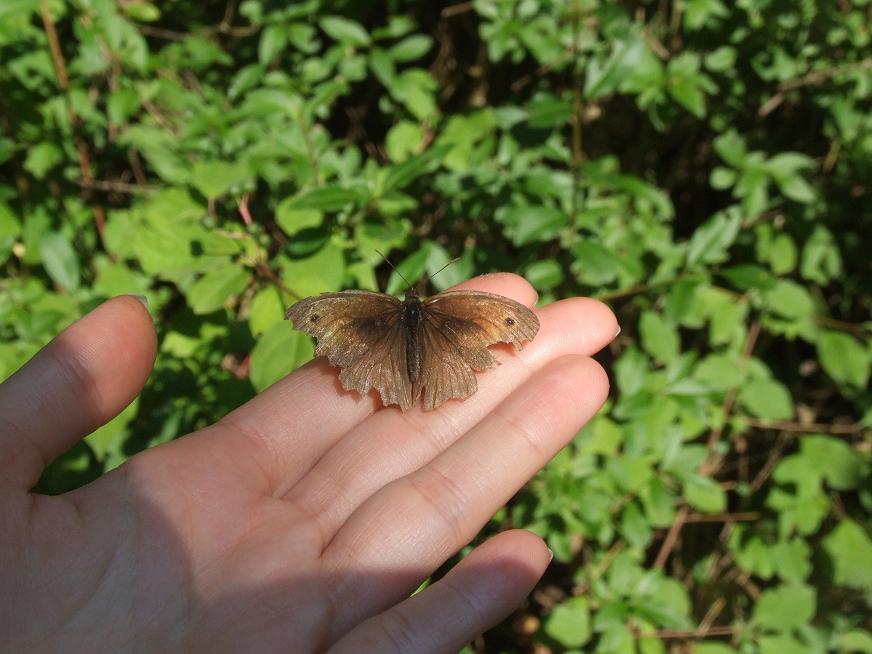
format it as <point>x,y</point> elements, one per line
<point>709,465</point>
<point>577,111</point>
<point>60,69</point>
<point>810,78</point>
<point>771,461</point>
<point>729,400</point>
<point>265,271</point>
<point>748,516</point>
<point>116,187</point>
<point>162,33</point>
<point>671,537</point>
<point>453,10</point>
<point>690,633</point>
<point>823,428</point>
<point>242,205</point>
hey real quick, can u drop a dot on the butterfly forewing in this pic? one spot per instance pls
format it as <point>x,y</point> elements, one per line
<point>482,319</point>
<point>358,331</point>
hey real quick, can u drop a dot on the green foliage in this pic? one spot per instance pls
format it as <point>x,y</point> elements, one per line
<point>701,166</point>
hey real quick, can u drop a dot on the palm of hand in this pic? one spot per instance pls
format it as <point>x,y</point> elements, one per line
<point>302,521</point>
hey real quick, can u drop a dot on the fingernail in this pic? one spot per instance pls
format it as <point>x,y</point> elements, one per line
<point>617,333</point>
<point>550,555</point>
<point>141,298</point>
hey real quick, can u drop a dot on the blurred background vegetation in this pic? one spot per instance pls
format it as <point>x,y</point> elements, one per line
<point>703,166</point>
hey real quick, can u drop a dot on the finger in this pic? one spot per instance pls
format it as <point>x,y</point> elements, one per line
<point>477,593</point>
<point>288,427</point>
<point>76,383</point>
<point>391,444</point>
<point>411,526</point>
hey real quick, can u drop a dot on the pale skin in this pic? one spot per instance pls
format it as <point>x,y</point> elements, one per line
<point>302,521</point>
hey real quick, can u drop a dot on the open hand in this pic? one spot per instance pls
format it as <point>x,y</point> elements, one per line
<point>302,521</point>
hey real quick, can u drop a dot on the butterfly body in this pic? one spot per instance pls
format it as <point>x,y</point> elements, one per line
<point>413,319</point>
<point>406,348</point>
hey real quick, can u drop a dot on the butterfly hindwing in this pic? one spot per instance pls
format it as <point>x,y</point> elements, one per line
<point>457,328</point>
<point>362,333</point>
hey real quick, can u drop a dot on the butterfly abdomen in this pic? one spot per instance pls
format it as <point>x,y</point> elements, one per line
<point>413,318</point>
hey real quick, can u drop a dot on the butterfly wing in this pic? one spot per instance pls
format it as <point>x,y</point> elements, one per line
<point>457,329</point>
<point>362,333</point>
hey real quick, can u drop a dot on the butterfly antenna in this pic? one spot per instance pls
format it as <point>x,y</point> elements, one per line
<point>454,260</point>
<point>387,261</point>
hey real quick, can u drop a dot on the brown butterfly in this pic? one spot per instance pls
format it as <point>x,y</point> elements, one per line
<point>401,347</point>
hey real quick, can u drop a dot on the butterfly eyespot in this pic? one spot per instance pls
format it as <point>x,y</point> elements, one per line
<point>510,321</point>
<point>314,317</point>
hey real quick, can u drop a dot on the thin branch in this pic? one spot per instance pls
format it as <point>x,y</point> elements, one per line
<point>268,273</point>
<point>690,633</point>
<point>730,399</point>
<point>60,69</point>
<point>820,427</point>
<point>748,516</point>
<point>809,79</point>
<point>671,537</point>
<point>110,186</point>
<point>453,10</point>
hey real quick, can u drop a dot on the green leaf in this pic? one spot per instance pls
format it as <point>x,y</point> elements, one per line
<point>273,40</point>
<point>328,198</point>
<point>144,12</point>
<point>844,358</point>
<point>278,352</point>
<point>399,176</point>
<point>293,220</point>
<point>710,242</point>
<point>850,551</point>
<point>722,178</point>
<point>790,300</point>
<point>403,140</point>
<point>10,228</point>
<point>345,30</point>
<point>59,260</point>
<point>411,48</point>
<point>534,223</point>
<point>705,494</point>
<point>604,78</point>
<point>319,273</point>
<point>854,641</point>
<point>569,623</point>
<point>634,526</point>
<point>731,148</point>
<point>700,13</point>
<point>216,287</point>
<point>41,158</point>
<point>767,399</point>
<point>215,178</point>
<point>703,647</point>
<point>265,310</point>
<point>720,371</point>
<point>785,607</point>
<point>546,110</point>
<point>659,338</point>
<point>821,258</point>
<point>544,274</point>
<point>782,254</point>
